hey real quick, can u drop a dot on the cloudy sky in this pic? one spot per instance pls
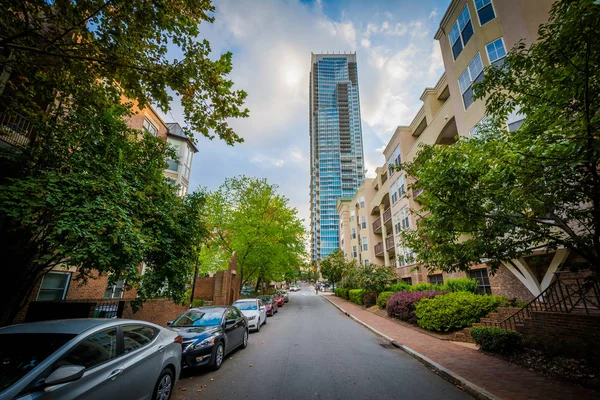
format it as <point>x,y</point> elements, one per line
<point>271,42</point>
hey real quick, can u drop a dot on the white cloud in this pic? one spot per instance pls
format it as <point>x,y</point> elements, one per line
<point>433,13</point>
<point>261,159</point>
<point>380,149</point>
<point>365,43</point>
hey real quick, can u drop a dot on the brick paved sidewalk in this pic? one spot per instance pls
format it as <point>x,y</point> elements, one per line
<point>499,378</point>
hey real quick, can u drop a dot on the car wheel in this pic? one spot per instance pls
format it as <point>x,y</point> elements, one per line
<point>219,356</point>
<point>258,326</point>
<point>245,340</point>
<point>164,386</point>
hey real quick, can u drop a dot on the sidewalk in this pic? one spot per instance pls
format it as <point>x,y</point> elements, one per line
<point>483,376</point>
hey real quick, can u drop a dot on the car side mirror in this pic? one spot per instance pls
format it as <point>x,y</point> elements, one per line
<point>229,322</point>
<point>64,374</point>
<point>169,323</point>
<point>263,308</point>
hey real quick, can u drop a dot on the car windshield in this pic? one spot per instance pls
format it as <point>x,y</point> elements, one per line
<point>22,352</point>
<point>266,299</point>
<point>246,305</point>
<point>199,318</point>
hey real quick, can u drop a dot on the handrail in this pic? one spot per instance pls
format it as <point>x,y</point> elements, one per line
<point>566,295</point>
<point>15,129</point>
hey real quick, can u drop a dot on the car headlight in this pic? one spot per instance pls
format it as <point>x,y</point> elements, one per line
<point>209,341</point>
<point>251,318</point>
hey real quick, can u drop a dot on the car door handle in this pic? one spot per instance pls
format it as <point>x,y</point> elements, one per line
<point>115,373</point>
<point>161,347</point>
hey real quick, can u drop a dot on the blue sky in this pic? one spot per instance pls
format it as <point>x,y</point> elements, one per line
<point>271,43</point>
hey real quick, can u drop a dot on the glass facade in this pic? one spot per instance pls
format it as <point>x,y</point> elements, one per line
<point>337,161</point>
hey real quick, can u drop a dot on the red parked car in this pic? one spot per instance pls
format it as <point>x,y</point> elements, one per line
<point>270,303</point>
<point>278,297</point>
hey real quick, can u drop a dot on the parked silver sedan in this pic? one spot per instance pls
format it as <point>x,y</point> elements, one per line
<point>88,359</point>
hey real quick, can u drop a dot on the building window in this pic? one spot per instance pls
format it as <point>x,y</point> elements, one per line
<point>473,73</point>
<point>485,11</point>
<point>397,223</point>
<point>362,201</point>
<point>365,244</point>
<point>354,252</point>
<point>115,291</point>
<point>515,119</point>
<point>149,127</point>
<point>496,52</point>
<point>173,165</point>
<point>366,262</point>
<point>353,233</point>
<point>437,279</point>
<point>405,255</point>
<point>54,286</point>
<point>352,214</point>
<point>482,278</point>
<point>407,280</point>
<point>363,222</point>
<point>401,186</point>
<point>396,155</point>
<point>390,167</point>
<point>461,32</point>
<point>404,216</point>
<point>394,193</point>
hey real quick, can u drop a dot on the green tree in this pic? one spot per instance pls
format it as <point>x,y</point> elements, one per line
<point>374,278</point>
<point>500,194</point>
<point>53,50</point>
<point>247,216</point>
<point>333,266</point>
<point>91,193</point>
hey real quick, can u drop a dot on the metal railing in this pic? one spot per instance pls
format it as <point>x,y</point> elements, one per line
<point>389,244</point>
<point>569,293</point>
<point>15,129</point>
<point>387,215</point>
<point>109,309</point>
<point>377,225</point>
<point>379,249</point>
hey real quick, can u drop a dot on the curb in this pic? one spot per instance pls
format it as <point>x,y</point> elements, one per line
<point>455,379</point>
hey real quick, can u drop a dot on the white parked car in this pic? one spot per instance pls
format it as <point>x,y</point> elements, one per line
<point>254,310</point>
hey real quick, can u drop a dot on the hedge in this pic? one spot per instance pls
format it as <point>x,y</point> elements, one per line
<point>401,305</point>
<point>356,296</point>
<point>425,287</point>
<point>383,298</point>
<point>341,292</point>
<point>454,310</point>
<point>496,340</point>
<point>461,285</point>
<point>398,287</point>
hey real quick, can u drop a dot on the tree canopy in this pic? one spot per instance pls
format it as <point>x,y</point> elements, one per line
<point>91,193</point>
<point>334,266</point>
<point>247,216</point>
<point>501,194</point>
<point>52,50</point>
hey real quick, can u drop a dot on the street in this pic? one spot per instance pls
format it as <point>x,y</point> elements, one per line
<point>310,350</point>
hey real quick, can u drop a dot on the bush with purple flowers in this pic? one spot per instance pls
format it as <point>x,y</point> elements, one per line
<point>402,304</point>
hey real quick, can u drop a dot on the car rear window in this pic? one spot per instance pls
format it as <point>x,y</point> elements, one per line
<point>246,305</point>
<point>22,352</point>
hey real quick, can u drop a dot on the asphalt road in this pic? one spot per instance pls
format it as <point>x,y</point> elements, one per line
<point>310,350</point>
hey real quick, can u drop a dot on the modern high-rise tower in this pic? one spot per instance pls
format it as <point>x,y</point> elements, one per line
<point>336,149</point>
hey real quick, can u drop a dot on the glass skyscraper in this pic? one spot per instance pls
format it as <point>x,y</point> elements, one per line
<point>336,149</point>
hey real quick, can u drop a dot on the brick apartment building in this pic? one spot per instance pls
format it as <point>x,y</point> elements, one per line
<point>473,34</point>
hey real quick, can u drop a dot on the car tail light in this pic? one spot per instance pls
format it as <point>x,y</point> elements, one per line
<point>178,339</point>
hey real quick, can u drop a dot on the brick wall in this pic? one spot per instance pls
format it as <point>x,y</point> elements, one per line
<point>573,334</point>
<point>157,311</point>
<point>204,288</point>
<point>505,283</point>
<point>94,288</point>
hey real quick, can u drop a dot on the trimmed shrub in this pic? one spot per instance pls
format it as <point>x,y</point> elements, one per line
<point>370,299</point>
<point>425,287</point>
<point>197,303</point>
<point>461,285</point>
<point>398,287</point>
<point>454,310</point>
<point>383,298</point>
<point>341,292</point>
<point>356,296</point>
<point>496,340</point>
<point>401,305</point>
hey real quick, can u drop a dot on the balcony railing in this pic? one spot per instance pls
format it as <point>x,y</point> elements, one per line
<point>15,129</point>
<point>384,178</point>
<point>377,225</point>
<point>379,249</point>
<point>387,215</point>
<point>389,244</point>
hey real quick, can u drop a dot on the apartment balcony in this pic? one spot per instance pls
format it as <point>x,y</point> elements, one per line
<point>389,244</point>
<point>384,178</point>
<point>377,225</point>
<point>387,218</point>
<point>15,129</point>
<point>379,249</point>
<point>440,130</point>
